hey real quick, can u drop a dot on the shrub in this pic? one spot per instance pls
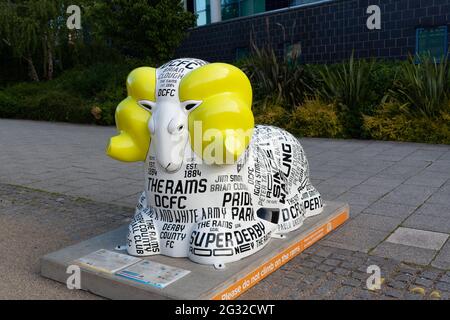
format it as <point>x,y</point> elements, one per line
<point>57,106</point>
<point>348,87</point>
<point>71,97</point>
<point>141,28</point>
<point>423,88</point>
<point>382,78</point>
<point>89,82</point>
<point>274,115</point>
<point>312,119</point>
<point>316,119</point>
<point>61,106</point>
<point>277,81</point>
<point>37,101</point>
<point>104,113</point>
<point>389,123</point>
<point>8,105</point>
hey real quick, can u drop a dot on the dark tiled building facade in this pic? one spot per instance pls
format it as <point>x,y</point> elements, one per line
<point>326,31</point>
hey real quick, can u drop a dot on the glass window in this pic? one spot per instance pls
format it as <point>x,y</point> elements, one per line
<point>259,6</point>
<point>242,52</point>
<point>432,41</point>
<point>293,52</point>
<point>300,2</point>
<point>241,8</point>
<point>230,9</point>
<point>249,7</point>
<point>203,11</point>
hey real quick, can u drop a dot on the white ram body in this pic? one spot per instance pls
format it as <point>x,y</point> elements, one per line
<point>218,214</point>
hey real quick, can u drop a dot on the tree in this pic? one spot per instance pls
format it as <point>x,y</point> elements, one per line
<point>33,29</point>
<point>141,28</point>
<point>19,33</point>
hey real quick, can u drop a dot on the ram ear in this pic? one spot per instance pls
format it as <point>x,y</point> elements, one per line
<point>191,105</point>
<point>133,141</point>
<point>222,125</point>
<point>147,105</point>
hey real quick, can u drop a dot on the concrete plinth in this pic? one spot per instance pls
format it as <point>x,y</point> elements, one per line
<point>203,282</point>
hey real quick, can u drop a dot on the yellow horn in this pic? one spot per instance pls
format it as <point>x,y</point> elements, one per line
<point>224,119</point>
<point>133,141</point>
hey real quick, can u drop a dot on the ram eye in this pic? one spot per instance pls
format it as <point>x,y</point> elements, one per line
<point>190,106</point>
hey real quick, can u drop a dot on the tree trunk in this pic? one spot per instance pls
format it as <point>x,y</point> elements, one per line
<point>45,58</point>
<point>48,57</point>
<point>49,63</point>
<point>32,73</point>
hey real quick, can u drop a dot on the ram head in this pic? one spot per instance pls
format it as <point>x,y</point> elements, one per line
<point>215,98</point>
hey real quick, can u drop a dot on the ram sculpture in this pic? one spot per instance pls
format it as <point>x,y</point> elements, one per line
<point>216,187</point>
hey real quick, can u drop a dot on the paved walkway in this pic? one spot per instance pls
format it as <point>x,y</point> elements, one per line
<point>398,192</point>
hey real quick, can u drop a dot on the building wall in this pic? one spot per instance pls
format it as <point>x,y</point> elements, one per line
<point>328,32</point>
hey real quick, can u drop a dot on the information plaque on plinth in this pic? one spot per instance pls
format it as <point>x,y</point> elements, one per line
<point>114,274</point>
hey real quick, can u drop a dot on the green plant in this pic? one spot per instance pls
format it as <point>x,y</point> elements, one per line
<point>312,119</point>
<point>423,88</point>
<point>274,115</point>
<point>141,28</point>
<point>8,105</point>
<point>71,97</point>
<point>30,28</point>
<point>276,81</point>
<point>390,123</point>
<point>104,113</point>
<point>348,87</point>
<point>382,78</point>
<point>94,80</point>
<point>316,119</point>
<point>57,106</point>
<point>45,104</point>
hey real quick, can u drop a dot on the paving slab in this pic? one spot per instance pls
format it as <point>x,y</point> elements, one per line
<point>420,256</point>
<point>426,154</point>
<point>203,281</point>
<point>445,157</point>
<point>428,223</point>
<point>355,238</point>
<point>410,194</point>
<point>343,182</point>
<point>370,190</point>
<point>442,259</point>
<point>330,192</point>
<point>442,197</point>
<point>401,171</point>
<point>33,223</point>
<point>356,210</point>
<point>434,210</point>
<point>388,183</point>
<point>352,173</point>
<point>389,209</point>
<point>358,199</point>
<point>375,222</point>
<point>388,179</point>
<point>418,238</point>
<point>429,178</point>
